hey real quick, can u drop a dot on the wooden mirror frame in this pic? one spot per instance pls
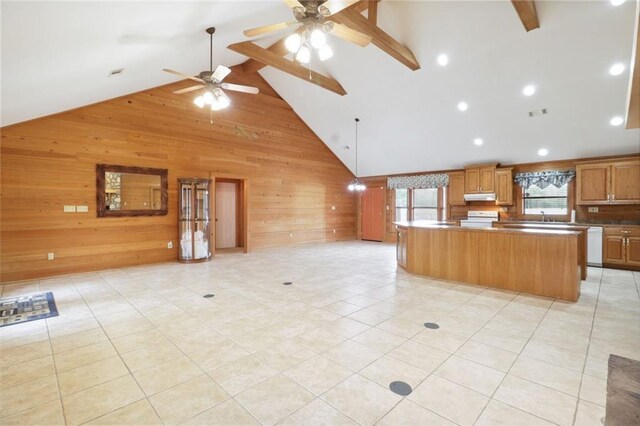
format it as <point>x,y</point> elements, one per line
<point>101,207</point>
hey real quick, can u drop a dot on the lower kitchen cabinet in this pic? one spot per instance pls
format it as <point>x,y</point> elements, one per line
<point>621,247</point>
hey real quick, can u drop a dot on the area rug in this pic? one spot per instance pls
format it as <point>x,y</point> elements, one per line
<point>623,392</point>
<point>16,310</point>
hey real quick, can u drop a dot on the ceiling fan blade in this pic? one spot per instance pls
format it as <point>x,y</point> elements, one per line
<point>334,6</point>
<point>268,28</point>
<point>183,75</point>
<point>240,88</point>
<point>220,73</point>
<point>292,4</point>
<point>347,33</point>
<point>189,89</point>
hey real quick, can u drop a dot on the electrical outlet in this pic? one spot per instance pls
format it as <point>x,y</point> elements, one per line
<point>50,256</point>
<point>333,207</point>
<point>334,231</point>
<point>69,209</point>
<point>82,209</point>
<point>593,210</point>
<point>170,245</point>
<point>290,234</point>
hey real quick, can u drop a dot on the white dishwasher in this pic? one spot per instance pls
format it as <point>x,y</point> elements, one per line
<point>594,246</point>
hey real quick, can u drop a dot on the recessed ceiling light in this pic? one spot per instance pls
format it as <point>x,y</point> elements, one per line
<point>462,106</point>
<point>543,152</point>
<point>478,141</point>
<point>616,2</point>
<point>442,59</point>
<point>529,90</point>
<point>616,69</point>
<point>616,121</point>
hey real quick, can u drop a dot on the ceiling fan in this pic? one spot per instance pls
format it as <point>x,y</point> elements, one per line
<point>314,18</point>
<point>212,83</point>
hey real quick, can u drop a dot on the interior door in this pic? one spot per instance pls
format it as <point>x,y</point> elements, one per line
<point>372,209</point>
<point>226,214</point>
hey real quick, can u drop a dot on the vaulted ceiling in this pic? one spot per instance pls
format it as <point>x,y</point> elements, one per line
<point>58,55</point>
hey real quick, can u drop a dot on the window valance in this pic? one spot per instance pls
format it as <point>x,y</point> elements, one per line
<point>418,181</point>
<point>556,178</point>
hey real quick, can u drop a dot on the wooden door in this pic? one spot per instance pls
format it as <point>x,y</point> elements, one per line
<point>613,249</point>
<point>504,187</point>
<point>472,181</point>
<point>226,214</point>
<point>371,215</point>
<point>625,182</point>
<point>633,251</point>
<point>456,189</point>
<point>592,183</point>
<point>487,180</point>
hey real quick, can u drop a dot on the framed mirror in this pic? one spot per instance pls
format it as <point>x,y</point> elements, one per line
<point>130,191</point>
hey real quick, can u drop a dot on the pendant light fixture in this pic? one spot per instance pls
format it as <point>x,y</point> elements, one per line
<point>355,184</point>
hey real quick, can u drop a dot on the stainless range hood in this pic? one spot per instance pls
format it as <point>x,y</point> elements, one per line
<point>479,197</point>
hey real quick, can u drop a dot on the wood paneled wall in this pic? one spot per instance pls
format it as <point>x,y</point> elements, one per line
<point>294,179</point>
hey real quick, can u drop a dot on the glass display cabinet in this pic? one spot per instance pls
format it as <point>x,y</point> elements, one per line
<point>194,220</point>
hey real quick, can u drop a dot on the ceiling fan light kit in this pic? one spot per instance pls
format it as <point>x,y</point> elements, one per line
<point>211,82</point>
<point>312,20</point>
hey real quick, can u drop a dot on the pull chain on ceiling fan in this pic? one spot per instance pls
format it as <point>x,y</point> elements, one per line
<point>211,81</point>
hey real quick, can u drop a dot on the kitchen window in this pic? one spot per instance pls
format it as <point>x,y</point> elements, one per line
<point>425,204</point>
<point>402,205</point>
<point>420,204</point>
<point>551,200</point>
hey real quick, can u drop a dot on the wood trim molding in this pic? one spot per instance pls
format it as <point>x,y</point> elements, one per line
<point>633,101</point>
<point>355,20</point>
<point>270,58</point>
<point>526,10</point>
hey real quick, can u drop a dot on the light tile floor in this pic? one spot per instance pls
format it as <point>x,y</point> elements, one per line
<point>141,346</point>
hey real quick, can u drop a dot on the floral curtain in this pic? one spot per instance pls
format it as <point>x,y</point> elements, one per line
<point>418,181</point>
<point>556,178</point>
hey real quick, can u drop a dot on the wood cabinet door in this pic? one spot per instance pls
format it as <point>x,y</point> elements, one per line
<point>372,208</point>
<point>633,251</point>
<point>625,182</point>
<point>613,249</point>
<point>592,182</point>
<point>487,180</point>
<point>504,187</point>
<point>456,189</point>
<point>472,181</point>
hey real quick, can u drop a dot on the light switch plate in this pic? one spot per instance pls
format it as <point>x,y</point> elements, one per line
<point>82,209</point>
<point>593,210</point>
<point>69,209</point>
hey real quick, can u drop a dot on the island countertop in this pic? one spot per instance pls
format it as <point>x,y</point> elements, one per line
<point>426,224</point>
<point>543,262</point>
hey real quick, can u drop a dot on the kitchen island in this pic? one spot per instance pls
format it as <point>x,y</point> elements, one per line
<point>543,262</point>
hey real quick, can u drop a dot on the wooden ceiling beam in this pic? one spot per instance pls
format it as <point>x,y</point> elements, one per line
<point>633,101</point>
<point>354,20</point>
<point>526,10</point>
<point>372,14</point>
<point>271,59</point>
<point>279,48</point>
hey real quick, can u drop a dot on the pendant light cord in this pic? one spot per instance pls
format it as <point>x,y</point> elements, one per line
<point>211,52</point>
<point>357,120</point>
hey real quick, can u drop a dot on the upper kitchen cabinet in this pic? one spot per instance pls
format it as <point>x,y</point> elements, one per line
<point>480,179</point>
<point>456,189</point>
<point>504,187</point>
<point>613,182</point>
